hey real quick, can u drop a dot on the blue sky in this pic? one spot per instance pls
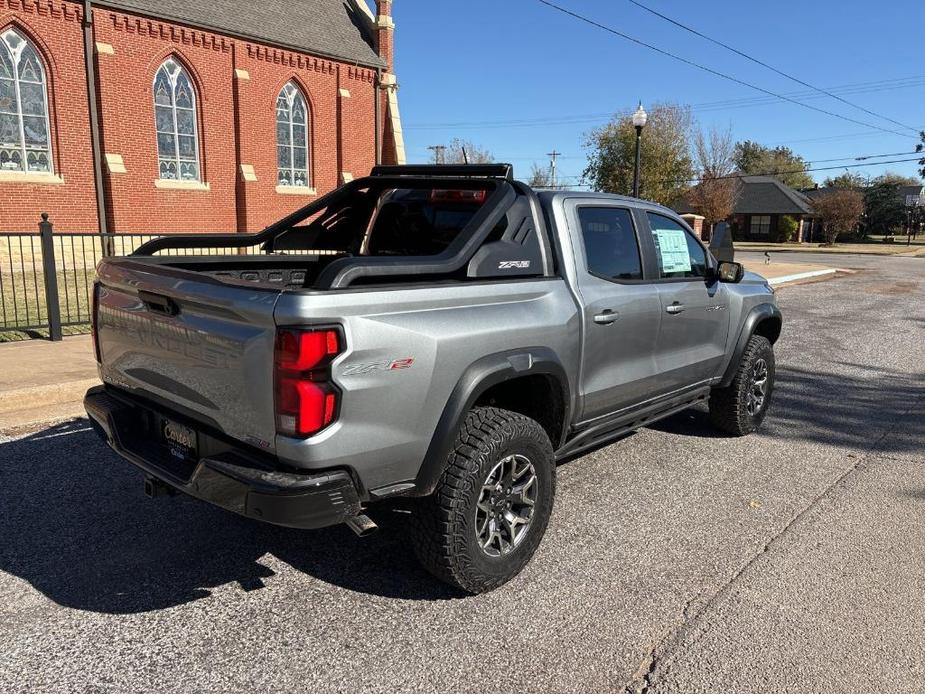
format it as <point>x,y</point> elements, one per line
<point>520,78</point>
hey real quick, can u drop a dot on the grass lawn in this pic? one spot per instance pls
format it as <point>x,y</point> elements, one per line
<point>22,299</point>
<point>22,286</point>
<point>874,246</point>
<point>22,279</point>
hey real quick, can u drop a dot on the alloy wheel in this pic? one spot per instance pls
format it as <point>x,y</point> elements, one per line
<point>758,387</point>
<point>505,507</point>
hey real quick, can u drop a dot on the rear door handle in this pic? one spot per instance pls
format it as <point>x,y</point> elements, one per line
<point>607,317</point>
<point>675,308</point>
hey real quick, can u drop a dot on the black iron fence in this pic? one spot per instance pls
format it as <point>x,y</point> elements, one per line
<point>46,279</point>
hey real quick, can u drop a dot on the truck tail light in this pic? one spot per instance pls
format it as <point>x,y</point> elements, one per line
<point>306,399</point>
<point>95,322</point>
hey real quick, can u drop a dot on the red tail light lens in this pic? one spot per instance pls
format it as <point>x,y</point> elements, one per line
<point>95,322</point>
<point>302,351</point>
<point>306,399</point>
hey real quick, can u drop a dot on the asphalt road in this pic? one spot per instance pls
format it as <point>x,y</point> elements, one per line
<point>677,560</point>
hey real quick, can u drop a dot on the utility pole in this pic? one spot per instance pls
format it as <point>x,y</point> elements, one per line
<point>553,156</point>
<point>439,153</point>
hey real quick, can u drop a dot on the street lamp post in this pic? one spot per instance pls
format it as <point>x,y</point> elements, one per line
<point>639,122</point>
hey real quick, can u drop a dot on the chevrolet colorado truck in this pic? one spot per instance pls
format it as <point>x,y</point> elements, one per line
<point>440,333</point>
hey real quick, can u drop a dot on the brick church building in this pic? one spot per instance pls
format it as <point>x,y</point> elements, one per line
<point>217,116</point>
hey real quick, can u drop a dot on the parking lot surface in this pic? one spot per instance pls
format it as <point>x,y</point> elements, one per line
<point>677,560</point>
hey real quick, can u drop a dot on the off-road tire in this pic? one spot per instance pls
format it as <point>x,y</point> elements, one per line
<point>729,406</point>
<point>446,538</point>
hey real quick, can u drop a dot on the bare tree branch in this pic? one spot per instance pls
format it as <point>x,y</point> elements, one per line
<point>715,196</point>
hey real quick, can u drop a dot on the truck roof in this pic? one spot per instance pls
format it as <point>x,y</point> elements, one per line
<point>548,197</point>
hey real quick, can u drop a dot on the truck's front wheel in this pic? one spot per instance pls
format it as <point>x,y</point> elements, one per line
<point>492,504</point>
<point>740,408</point>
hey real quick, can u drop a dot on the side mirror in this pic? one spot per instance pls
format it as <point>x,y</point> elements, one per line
<point>729,271</point>
<point>721,245</point>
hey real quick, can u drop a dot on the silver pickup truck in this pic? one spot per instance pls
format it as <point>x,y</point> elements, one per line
<point>442,334</point>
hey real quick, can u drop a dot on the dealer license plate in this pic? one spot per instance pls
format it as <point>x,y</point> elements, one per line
<point>181,440</point>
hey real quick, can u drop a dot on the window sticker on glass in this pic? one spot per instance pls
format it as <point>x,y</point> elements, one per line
<point>672,249</point>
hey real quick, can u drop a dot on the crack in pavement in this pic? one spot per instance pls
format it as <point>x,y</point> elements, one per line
<point>646,673</point>
<point>897,459</point>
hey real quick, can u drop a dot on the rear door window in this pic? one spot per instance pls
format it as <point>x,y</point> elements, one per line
<point>611,247</point>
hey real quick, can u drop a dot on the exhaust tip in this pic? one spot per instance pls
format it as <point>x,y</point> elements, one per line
<point>362,525</point>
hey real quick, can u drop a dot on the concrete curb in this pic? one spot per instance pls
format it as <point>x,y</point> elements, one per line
<point>801,276</point>
<point>35,397</point>
<point>36,418</point>
<point>43,404</point>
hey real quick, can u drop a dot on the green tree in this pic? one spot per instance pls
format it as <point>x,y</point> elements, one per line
<point>666,167</point>
<point>756,159</point>
<point>786,228</point>
<point>884,207</point>
<point>897,179</point>
<point>846,180</point>
<point>919,148</point>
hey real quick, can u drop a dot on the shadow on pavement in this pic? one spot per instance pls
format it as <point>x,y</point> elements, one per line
<point>76,525</point>
<point>833,409</point>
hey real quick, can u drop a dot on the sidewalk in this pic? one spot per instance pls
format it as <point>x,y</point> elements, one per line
<point>782,274</point>
<point>42,381</point>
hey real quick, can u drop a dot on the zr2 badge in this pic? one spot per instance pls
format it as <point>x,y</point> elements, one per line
<point>368,367</point>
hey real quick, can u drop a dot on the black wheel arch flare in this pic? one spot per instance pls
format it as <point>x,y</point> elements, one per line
<point>483,374</point>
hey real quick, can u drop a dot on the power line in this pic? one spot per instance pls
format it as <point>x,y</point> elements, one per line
<point>794,171</point>
<point>862,157</point>
<point>769,67</point>
<point>782,173</point>
<point>722,105</point>
<point>853,157</point>
<point>825,138</point>
<point>859,158</point>
<point>717,73</point>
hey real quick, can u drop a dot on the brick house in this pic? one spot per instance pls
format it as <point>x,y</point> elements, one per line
<point>220,116</point>
<point>760,203</point>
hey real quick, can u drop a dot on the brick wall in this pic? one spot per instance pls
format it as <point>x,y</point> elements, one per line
<point>237,84</point>
<point>342,125</point>
<point>139,47</point>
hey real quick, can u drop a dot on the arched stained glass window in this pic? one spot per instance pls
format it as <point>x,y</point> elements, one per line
<point>175,116</point>
<point>25,143</point>
<point>292,129</point>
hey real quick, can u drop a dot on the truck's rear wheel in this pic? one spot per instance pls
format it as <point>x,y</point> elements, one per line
<point>740,408</point>
<point>492,504</point>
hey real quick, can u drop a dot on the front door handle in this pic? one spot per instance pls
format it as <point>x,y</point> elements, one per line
<point>607,317</point>
<point>675,308</point>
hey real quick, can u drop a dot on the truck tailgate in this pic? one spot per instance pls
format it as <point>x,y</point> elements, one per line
<point>191,342</point>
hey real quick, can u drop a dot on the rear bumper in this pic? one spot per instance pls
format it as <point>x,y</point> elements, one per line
<point>232,478</point>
